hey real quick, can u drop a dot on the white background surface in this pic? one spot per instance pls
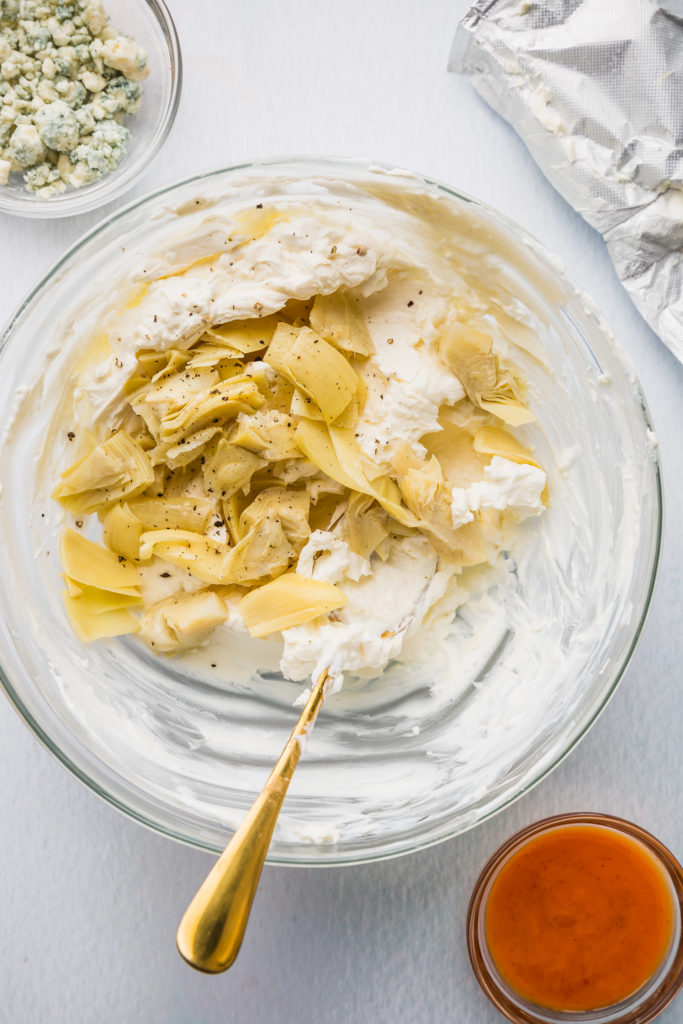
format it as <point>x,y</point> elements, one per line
<point>89,901</point>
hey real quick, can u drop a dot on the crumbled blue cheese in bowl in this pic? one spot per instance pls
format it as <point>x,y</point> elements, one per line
<point>67,80</point>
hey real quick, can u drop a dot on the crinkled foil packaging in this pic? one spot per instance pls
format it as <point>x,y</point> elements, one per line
<point>595,89</point>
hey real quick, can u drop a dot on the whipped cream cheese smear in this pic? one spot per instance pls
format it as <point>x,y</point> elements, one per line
<point>451,672</point>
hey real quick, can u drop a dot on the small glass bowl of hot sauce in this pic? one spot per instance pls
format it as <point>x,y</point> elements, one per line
<point>577,918</point>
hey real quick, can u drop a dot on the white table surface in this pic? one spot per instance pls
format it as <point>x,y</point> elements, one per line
<point>89,900</point>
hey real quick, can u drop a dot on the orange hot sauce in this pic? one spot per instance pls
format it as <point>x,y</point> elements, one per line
<point>579,918</point>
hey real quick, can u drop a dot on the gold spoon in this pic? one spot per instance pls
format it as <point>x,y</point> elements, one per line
<point>213,926</point>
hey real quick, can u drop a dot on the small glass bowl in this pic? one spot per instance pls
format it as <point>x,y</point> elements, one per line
<point>643,1005</point>
<point>151,25</point>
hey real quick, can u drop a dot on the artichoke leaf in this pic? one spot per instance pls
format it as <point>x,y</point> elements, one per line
<point>99,602</point>
<point>264,551</point>
<point>117,468</point>
<point>315,367</point>
<point>496,441</point>
<point>365,524</point>
<point>173,513</point>
<point>290,600</point>
<point>289,508</point>
<point>207,559</point>
<point>245,336</point>
<point>216,405</point>
<point>90,564</point>
<point>182,621</point>
<point>338,319</point>
<point>89,625</point>
<point>228,469</point>
<point>121,531</point>
<point>268,433</point>
<point>469,353</point>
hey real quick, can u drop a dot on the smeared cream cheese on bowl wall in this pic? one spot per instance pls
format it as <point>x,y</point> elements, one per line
<point>299,416</point>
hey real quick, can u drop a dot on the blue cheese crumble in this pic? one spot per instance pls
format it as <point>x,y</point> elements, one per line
<point>67,81</point>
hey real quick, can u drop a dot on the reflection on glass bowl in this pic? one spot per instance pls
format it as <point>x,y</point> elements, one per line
<point>425,751</point>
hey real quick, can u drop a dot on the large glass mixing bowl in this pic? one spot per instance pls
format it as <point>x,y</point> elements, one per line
<point>397,762</point>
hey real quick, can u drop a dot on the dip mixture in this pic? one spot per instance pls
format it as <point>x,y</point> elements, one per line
<point>493,670</point>
<point>301,427</point>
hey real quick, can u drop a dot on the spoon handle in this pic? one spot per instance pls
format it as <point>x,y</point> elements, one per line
<point>211,931</point>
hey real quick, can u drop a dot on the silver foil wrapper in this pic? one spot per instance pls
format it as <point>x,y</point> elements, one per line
<point>595,89</point>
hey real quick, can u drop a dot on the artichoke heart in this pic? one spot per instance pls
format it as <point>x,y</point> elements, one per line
<point>365,524</point>
<point>92,565</point>
<point>121,531</point>
<point>207,559</point>
<point>268,433</point>
<point>173,513</point>
<point>182,621</point>
<point>288,601</point>
<point>469,353</point>
<point>219,403</point>
<point>186,450</point>
<point>423,489</point>
<point>264,551</point>
<point>337,453</point>
<point>338,319</point>
<point>289,508</point>
<point>228,469</point>
<point>245,336</point>
<point>117,468</point>
<point>496,441</point>
<point>315,367</point>
<point>89,624</point>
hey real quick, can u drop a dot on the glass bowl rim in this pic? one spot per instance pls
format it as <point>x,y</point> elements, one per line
<point>111,186</point>
<point>414,844</point>
<point>668,986</point>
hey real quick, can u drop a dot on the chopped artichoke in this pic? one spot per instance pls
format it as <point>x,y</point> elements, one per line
<point>302,405</point>
<point>288,601</point>
<point>232,509</point>
<point>182,621</point>
<point>469,353</point>
<point>496,441</point>
<point>269,434</point>
<point>424,492</point>
<point>171,392</point>
<point>121,531</point>
<point>325,512</point>
<point>117,468</point>
<point>94,566</point>
<point>338,455</point>
<point>245,336</point>
<point>315,367</point>
<point>206,559</point>
<point>365,524</point>
<point>173,513</point>
<point>89,625</point>
<point>228,469</point>
<point>289,508</point>
<point>187,449</point>
<point>101,602</point>
<point>264,551</point>
<point>338,319</point>
<point>218,404</point>
<point>454,447</point>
